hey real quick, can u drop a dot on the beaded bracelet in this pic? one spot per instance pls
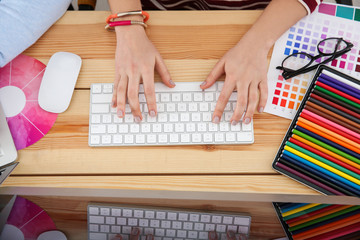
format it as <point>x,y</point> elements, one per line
<point>122,14</point>
<point>110,26</point>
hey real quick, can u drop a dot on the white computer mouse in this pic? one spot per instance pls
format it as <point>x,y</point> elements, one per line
<point>58,83</point>
<point>52,235</point>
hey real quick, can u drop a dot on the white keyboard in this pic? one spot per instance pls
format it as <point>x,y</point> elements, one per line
<point>105,221</point>
<point>184,115</point>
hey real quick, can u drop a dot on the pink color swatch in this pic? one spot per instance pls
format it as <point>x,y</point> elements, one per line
<point>32,123</point>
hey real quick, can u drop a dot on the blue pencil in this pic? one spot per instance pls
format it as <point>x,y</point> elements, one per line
<point>324,171</point>
<point>326,178</point>
<point>293,206</point>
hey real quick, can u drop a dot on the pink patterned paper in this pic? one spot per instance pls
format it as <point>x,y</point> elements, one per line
<point>32,123</point>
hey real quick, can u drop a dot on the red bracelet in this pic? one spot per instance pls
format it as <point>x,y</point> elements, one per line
<point>122,14</point>
<point>111,25</point>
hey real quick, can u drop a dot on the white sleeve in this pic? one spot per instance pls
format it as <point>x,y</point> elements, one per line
<point>22,22</point>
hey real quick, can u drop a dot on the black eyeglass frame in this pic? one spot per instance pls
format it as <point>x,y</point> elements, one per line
<point>289,73</point>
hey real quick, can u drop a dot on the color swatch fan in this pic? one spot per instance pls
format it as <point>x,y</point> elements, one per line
<point>19,87</point>
<point>26,221</point>
<point>328,21</point>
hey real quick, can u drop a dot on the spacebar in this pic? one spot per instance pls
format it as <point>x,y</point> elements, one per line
<point>180,87</point>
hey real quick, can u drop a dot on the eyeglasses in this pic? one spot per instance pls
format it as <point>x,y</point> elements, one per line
<point>301,62</point>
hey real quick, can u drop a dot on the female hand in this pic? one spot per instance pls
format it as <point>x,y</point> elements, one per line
<point>135,61</point>
<point>245,66</point>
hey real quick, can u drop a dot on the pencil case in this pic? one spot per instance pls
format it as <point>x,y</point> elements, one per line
<point>321,148</point>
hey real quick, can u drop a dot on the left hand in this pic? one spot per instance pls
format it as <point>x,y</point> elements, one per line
<point>245,66</point>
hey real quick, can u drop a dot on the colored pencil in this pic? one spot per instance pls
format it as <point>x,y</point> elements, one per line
<point>332,224</point>
<point>323,143</point>
<point>298,174</point>
<point>333,103</point>
<point>324,170</point>
<point>325,105</point>
<point>334,100</point>
<point>324,229</point>
<point>323,160</point>
<point>340,232</point>
<point>306,211</point>
<point>350,236</point>
<point>316,144</point>
<point>324,155</point>
<point>334,125</point>
<point>337,119</point>
<point>292,206</point>
<point>334,137</point>
<point>336,91</point>
<point>323,165</point>
<point>320,88</point>
<point>334,146</point>
<point>327,217</point>
<point>332,185</point>
<point>327,213</point>
<point>350,84</point>
<point>331,126</point>
<point>340,86</point>
<point>314,213</point>
<point>307,206</point>
<point>323,175</point>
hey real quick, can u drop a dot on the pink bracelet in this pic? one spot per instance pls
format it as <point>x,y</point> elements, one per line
<point>111,25</point>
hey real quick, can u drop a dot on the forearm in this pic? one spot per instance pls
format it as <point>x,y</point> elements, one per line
<point>124,6</point>
<point>22,22</point>
<point>278,17</point>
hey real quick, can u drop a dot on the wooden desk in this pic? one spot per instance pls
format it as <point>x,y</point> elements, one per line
<point>63,164</point>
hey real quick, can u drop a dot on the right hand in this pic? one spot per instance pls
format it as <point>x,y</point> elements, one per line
<point>135,61</point>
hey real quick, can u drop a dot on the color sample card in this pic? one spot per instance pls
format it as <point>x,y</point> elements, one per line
<point>321,148</point>
<point>329,20</point>
<point>319,221</point>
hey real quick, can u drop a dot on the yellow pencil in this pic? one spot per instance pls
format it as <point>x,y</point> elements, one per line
<point>321,164</point>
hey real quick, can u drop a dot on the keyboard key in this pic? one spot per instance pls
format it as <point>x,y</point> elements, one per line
<point>95,118</point>
<point>101,98</point>
<point>100,108</point>
<point>96,88</point>
<point>151,138</point>
<point>95,139</point>
<point>96,219</point>
<point>97,236</point>
<point>98,128</point>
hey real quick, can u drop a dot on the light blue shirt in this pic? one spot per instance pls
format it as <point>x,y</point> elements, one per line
<point>22,22</point>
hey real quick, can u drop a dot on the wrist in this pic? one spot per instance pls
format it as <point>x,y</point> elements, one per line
<point>129,31</point>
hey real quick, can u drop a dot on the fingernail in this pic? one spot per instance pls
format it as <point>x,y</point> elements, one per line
<point>120,113</point>
<point>231,234</point>
<point>171,82</point>
<point>137,119</point>
<point>152,113</point>
<point>261,110</point>
<point>203,83</point>
<point>135,231</point>
<point>234,122</point>
<point>247,120</point>
<point>216,119</point>
<point>212,235</point>
<point>113,104</point>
